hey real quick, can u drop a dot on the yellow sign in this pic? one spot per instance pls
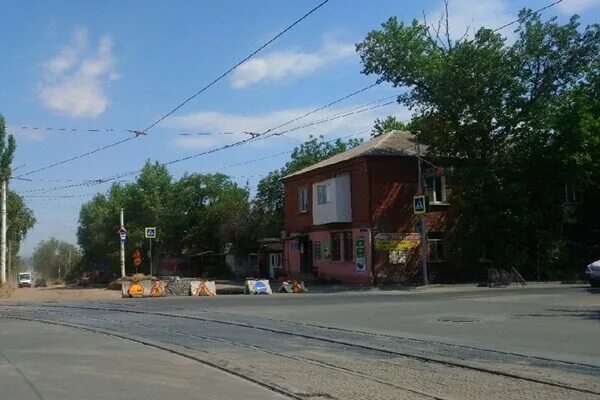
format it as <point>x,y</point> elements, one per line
<point>392,245</point>
<point>136,290</point>
<point>157,290</point>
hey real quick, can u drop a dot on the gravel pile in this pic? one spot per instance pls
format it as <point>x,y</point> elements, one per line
<point>177,288</point>
<point>6,290</point>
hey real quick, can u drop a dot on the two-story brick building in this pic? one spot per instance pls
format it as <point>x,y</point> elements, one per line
<point>350,218</point>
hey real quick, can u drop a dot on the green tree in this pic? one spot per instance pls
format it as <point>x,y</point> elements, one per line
<point>7,151</point>
<point>20,220</point>
<point>54,258</point>
<point>194,213</point>
<point>8,146</point>
<point>500,112</point>
<point>390,123</point>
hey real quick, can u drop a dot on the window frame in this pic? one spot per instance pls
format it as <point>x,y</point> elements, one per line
<point>439,257</point>
<point>303,203</point>
<point>324,190</point>
<point>431,190</point>
<point>317,250</point>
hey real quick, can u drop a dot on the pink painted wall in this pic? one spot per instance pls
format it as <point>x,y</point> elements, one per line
<point>291,257</point>
<point>343,271</point>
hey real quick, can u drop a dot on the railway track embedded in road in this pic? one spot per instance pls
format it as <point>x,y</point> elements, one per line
<point>320,363</point>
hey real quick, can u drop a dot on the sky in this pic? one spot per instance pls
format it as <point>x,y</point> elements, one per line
<point>98,69</point>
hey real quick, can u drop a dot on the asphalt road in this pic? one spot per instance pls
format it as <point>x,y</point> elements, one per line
<point>456,343</point>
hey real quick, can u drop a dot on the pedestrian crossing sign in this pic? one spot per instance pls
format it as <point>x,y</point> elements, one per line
<point>150,232</point>
<point>419,204</point>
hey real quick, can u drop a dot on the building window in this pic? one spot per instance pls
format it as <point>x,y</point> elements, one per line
<point>436,189</point>
<point>275,260</point>
<point>437,251</point>
<point>317,250</point>
<point>348,248</point>
<point>303,199</point>
<point>323,194</point>
<point>335,246</point>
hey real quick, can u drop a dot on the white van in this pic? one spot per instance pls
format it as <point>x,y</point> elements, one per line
<point>24,279</point>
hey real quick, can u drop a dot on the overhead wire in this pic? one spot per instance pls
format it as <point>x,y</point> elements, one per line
<point>267,133</point>
<point>536,11</point>
<point>95,182</point>
<point>196,94</point>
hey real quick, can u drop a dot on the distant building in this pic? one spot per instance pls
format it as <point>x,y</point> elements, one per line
<point>350,218</point>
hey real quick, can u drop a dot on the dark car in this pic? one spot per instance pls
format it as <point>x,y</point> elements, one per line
<point>40,282</point>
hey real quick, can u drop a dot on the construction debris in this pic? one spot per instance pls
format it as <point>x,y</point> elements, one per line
<point>177,288</point>
<point>292,287</point>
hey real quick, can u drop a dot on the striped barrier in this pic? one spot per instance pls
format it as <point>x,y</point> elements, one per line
<point>143,289</point>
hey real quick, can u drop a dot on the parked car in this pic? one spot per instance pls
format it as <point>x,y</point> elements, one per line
<point>592,273</point>
<point>24,279</point>
<point>40,283</point>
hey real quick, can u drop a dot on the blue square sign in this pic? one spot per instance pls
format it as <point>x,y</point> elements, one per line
<point>150,232</point>
<point>419,204</point>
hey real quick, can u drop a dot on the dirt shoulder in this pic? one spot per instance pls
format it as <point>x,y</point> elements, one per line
<point>62,293</point>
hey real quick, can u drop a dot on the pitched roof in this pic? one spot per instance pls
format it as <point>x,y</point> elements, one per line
<point>393,143</point>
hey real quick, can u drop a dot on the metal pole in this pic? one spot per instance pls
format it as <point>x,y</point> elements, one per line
<point>150,256</point>
<point>422,220</point>
<point>122,246</point>
<point>3,236</point>
<point>9,267</point>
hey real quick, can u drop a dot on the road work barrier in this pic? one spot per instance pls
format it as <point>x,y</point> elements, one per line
<point>203,288</point>
<point>257,287</point>
<point>143,289</point>
<point>292,287</point>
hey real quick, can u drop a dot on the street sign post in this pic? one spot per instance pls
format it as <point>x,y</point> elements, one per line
<point>137,259</point>
<point>150,233</point>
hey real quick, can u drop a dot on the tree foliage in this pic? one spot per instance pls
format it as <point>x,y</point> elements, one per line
<point>53,255</point>
<point>390,123</point>
<point>8,146</point>
<point>519,120</point>
<point>194,213</point>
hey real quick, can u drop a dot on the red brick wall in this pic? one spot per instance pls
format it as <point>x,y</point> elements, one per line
<point>382,190</point>
<point>295,221</point>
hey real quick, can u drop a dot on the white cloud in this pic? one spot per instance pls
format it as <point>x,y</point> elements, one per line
<point>30,135</point>
<point>473,15</point>
<point>76,78</point>
<point>276,66</point>
<point>577,6</point>
<point>215,122</point>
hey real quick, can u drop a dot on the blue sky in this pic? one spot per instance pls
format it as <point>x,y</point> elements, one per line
<point>122,64</point>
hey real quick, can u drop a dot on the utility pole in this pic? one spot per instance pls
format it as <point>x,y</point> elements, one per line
<point>422,219</point>
<point>3,236</point>
<point>122,246</point>
<point>9,264</point>
<point>150,256</point>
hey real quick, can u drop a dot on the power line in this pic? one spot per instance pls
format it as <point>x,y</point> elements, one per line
<point>67,130</point>
<point>95,182</point>
<point>213,82</point>
<point>108,146</point>
<point>536,11</point>
<point>223,75</point>
<point>259,136</point>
